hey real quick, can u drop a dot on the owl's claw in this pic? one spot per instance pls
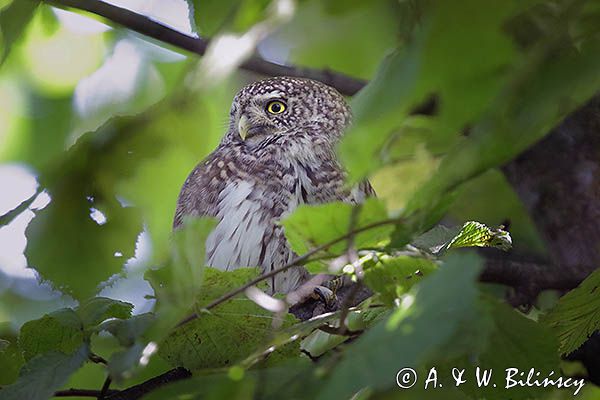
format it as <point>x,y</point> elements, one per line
<point>325,295</point>
<point>327,292</point>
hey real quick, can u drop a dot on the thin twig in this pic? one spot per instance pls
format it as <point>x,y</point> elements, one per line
<point>82,393</point>
<point>338,331</point>
<point>95,358</point>
<point>297,261</point>
<point>105,388</point>
<point>139,23</point>
<point>352,256</point>
<point>139,391</point>
<point>9,216</point>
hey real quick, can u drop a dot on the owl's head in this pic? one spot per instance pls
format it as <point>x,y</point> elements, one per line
<point>287,106</point>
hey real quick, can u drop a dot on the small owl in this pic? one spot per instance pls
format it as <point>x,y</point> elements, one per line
<point>278,153</point>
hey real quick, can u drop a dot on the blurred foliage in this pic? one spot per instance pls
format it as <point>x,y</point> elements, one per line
<point>110,123</point>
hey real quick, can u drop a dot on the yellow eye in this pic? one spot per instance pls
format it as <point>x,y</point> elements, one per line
<point>276,107</point>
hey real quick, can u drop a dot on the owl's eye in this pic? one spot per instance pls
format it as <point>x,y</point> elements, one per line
<point>276,107</point>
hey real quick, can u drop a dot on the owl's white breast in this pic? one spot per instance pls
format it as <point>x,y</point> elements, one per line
<point>246,234</point>
<point>236,240</point>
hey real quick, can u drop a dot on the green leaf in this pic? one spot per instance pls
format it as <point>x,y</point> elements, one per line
<point>95,310</point>
<point>474,200</point>
<point>472,234</point>
<point>459,52</point>
<point>121,364</point>
<point>356,320</point>
<point>524,344</point>
<point>518,118</point>
<point>476,234</point>
<point>44,374</point>
<point>11,358</point>
<point>61,330</point>
<point>63,239</point>
<point>212,16</point>
<point>319,342</point>
<point>226,334</point>
<point>435,239</point>
<point>352,42</point>
<point>413,332</point>
<point>577,314</point>
<point>295,380</point>
<point>391,277</point>
<point>311,226</point>
<point>13,21</point>
<point>210,387</point>
<point>178,282</point>
<point>128,331</point>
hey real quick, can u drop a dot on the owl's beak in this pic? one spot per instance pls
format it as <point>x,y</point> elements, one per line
<point>243,126</point>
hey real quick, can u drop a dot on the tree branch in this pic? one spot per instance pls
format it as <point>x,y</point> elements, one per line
<point>139,23</point>
<point>82,393</point>
<point>528,278</point>
<point>105,388</point>
<point>138,391</point>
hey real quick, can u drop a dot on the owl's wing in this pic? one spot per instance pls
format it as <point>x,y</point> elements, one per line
<point>359,193</point>
<point>366,188</point>
<point>199,194</point>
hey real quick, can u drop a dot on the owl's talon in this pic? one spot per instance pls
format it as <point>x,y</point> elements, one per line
<point>325,295</point>
<point>335,284</point>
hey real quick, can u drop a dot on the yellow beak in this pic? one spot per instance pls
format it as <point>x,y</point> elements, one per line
<point>243,126</point>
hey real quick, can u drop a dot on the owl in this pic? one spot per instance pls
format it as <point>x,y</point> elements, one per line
<point>278,153</point>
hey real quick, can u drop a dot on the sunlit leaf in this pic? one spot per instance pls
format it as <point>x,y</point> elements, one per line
<point>311,226</point>
<point>471,234</point>
<point>477,234</point>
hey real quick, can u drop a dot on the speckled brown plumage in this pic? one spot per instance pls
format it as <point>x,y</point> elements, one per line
<point>265,166</point>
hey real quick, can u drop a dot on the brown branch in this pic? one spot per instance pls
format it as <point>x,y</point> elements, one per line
<point>529,278</point>
<point>105,388</point>
<point>95,358</point>
<point>138,391</point>
<point>139,23</point>
<point>341,330</point>
<point>82,393</point>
